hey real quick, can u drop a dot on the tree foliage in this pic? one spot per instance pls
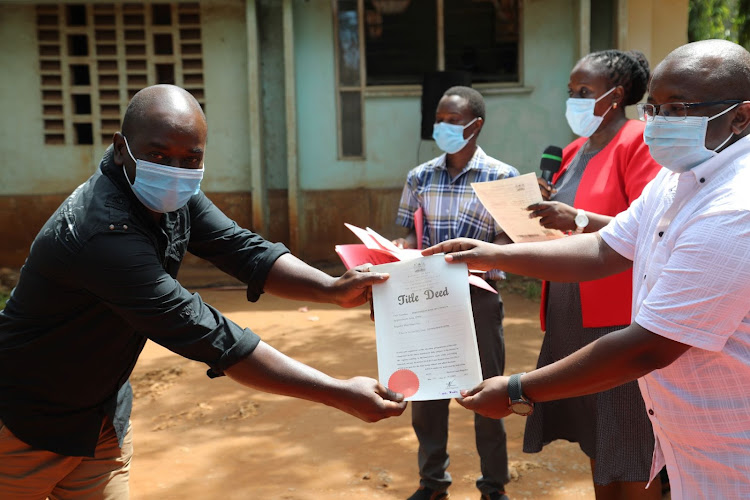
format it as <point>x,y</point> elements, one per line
<point>710,19</point>
<point>724,19</point>
<point>742,23</point>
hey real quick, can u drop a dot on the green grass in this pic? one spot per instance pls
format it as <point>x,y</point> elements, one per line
<point>3,299</point>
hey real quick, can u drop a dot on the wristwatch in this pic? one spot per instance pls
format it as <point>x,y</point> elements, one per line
<point>518,404</point>
<point>581,220</point>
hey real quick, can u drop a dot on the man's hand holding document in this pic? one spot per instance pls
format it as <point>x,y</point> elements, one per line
<point>506,200</point>
<point>374,249</point>
<point>426,343</point>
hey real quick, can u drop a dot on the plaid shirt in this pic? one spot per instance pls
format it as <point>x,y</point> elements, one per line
<point>450,206</point>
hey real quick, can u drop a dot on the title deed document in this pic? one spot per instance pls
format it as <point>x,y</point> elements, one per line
<point>426,343</point>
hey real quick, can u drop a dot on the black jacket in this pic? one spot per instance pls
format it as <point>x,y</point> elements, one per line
<point>99,281</point>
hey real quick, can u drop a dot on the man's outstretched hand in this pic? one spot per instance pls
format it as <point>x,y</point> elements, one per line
<point>490,398</point>
<point>353,288</point>
<point>367,399</point>
<point>476,254</point>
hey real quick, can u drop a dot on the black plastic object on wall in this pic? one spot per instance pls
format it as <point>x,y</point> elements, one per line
<point>434,86</point>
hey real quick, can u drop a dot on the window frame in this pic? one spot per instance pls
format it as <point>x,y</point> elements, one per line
<point>415,89</point>
<point>361,88</point>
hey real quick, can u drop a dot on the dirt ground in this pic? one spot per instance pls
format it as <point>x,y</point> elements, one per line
<point>197,438</point>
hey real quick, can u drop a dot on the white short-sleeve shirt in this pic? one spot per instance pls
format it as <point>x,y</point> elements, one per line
<point>688,236</point>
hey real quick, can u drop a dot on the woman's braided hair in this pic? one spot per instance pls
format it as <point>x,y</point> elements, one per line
<point>628,69</point>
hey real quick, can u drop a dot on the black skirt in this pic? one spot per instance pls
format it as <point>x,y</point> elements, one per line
<point>611,427</point>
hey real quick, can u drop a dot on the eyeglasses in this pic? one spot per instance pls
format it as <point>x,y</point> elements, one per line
<point>674,111</point>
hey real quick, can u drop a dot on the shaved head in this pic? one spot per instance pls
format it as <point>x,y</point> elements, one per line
<point>718,68</point>
<point>168,104</point>
<point>713,74</point>
<point>163,124</point>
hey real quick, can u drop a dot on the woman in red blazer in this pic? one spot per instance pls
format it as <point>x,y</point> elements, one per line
<point>602,173</point>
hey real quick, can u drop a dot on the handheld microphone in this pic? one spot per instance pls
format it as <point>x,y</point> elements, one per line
<point>551,162</point>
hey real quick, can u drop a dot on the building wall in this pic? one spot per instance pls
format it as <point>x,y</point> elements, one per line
<point>520,124</point>
<point>647,27</point>
<point>225,76</point>
<point>30,167</point>
<point>33,168</point>
<point>36,177</point>
<point>392,122</point>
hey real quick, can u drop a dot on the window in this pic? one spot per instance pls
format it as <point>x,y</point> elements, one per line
<point>94,57</point>
<point>350,78</point>
<point>603,25</point>
<point>396,42</point>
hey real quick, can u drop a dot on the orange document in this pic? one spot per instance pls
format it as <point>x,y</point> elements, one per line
<point>375,249</point>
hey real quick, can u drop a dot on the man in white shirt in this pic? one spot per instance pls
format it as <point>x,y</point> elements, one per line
<point>687,239</point>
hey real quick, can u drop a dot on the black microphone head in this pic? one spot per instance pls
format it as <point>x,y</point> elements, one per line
<point>551,161</point>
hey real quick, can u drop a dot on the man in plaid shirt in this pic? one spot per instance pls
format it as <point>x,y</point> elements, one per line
<point>442,189</point>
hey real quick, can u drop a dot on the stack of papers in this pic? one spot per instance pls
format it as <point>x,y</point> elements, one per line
<point>375,249</point>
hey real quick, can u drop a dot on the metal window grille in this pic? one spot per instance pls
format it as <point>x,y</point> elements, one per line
<point>94,57</point>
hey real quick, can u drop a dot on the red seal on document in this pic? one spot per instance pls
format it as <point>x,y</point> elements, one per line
<point>404,381</point>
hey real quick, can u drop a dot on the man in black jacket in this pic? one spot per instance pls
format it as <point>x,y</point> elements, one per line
<point>100,280</point>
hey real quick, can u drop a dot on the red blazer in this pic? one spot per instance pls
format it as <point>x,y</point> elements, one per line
<point>612,180</point>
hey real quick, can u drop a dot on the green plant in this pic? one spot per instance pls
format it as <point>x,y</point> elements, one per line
<point>533,289</point>
<point>530,288</point>
<point>725,19</point>
<point>712,19</point>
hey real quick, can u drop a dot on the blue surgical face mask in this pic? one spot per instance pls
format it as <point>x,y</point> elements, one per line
<point>449,137</point>
<point>162,188</point>
<point>680,145</point>
<point>580,114</point>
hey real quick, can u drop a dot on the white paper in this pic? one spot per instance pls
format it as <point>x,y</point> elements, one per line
<point>426,343</point>
<point>506,200</point>
<point>376,249</point>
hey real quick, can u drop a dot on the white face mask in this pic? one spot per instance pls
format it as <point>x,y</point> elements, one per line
<point>681,145</point>
<point>449,137</point>
<point>580,114</point>
<point>162,188</point>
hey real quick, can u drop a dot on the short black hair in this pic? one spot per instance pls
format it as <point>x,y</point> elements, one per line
<point>628,69</point>
<point>474,98</point>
